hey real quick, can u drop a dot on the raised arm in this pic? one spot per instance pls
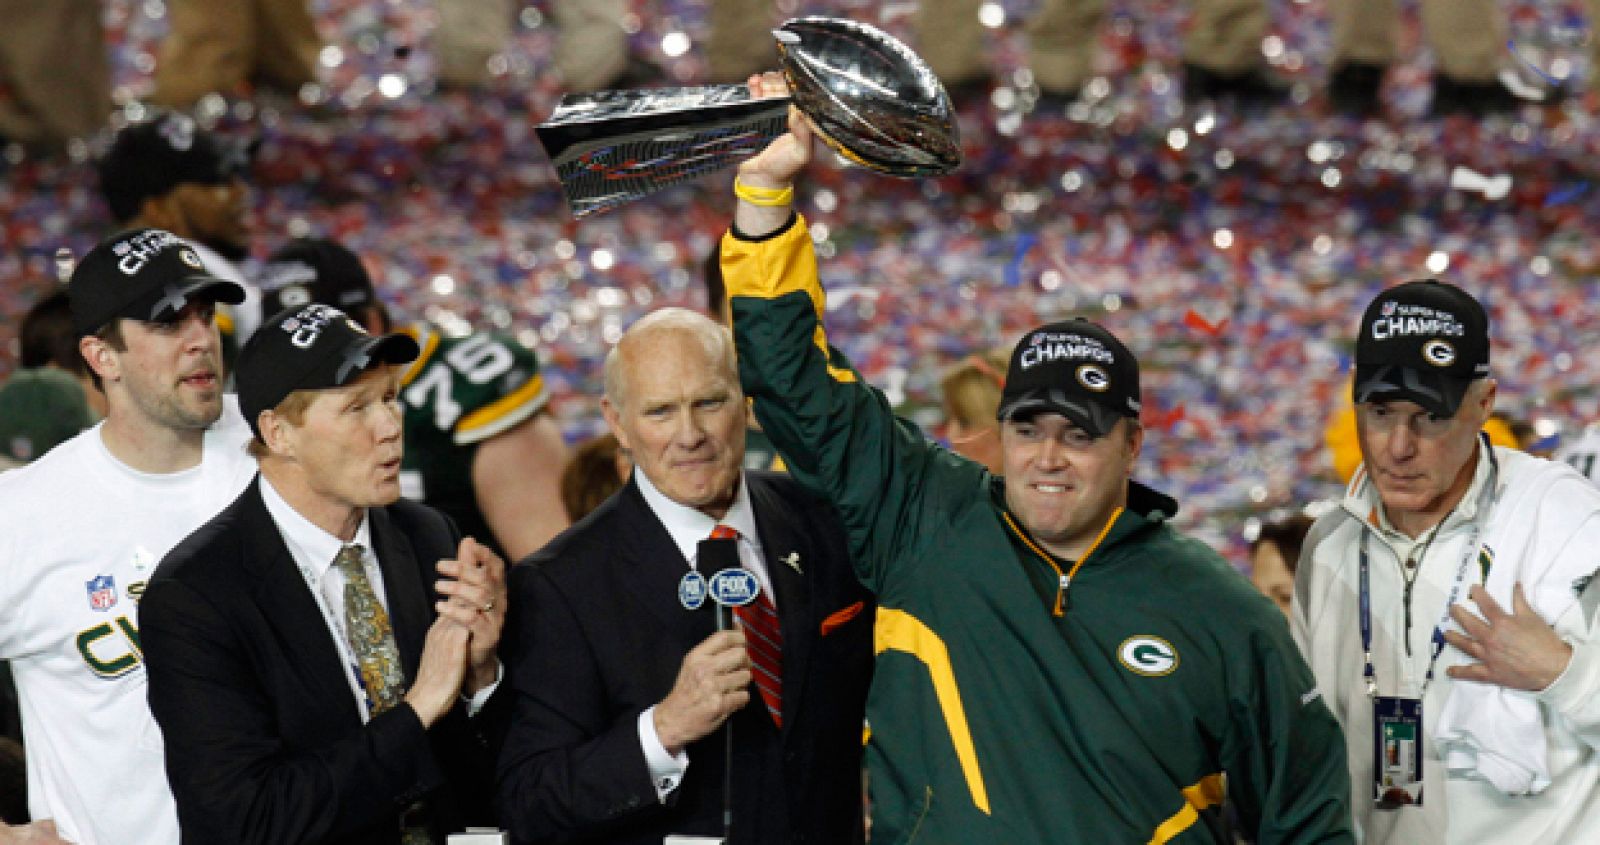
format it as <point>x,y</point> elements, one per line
<point>837,436</point>
<point>769,176</point>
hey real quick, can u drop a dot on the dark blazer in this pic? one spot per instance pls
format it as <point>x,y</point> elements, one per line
<point>599,635</point>
<point>264,739</point>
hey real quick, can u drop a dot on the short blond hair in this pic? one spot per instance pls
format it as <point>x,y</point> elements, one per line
<point>972,388</point>
<point>292,409</point>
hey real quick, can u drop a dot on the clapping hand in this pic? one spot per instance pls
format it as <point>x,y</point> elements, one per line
<point>473,588</point>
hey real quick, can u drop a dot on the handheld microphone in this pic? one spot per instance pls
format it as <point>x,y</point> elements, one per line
<point>715,556</point>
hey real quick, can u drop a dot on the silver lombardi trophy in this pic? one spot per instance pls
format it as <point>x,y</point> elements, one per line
<point>870,98</point>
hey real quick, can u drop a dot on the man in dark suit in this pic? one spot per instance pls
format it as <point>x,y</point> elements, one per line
<point>308,685</point>
<point>626,690</point>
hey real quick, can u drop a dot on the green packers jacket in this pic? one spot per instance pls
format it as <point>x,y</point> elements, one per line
<point>1009,706</point>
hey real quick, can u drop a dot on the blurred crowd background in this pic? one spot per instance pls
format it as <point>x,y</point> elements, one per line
<point>1233,249</point>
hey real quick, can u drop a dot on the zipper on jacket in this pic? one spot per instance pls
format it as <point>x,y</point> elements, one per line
<point>1411,570</point>
<point>1406,596</point>
<point>1063,579</point>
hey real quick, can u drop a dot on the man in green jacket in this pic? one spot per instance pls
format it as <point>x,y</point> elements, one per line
<point>1055,662</point>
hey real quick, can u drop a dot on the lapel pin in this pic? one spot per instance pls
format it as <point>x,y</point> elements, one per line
<point>793,560</point>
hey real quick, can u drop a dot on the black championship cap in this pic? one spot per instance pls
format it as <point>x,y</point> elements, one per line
<point>141,274</point>
<point>1423,342</point>
<point>310,270</point>
<point>151,158</point>
<point>311,347</point>
<point>1074,368</point>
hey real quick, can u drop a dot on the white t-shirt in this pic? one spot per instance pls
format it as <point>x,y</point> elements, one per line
<point>80,534</point>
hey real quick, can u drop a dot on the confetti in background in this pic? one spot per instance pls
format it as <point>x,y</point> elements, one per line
<point>1233,253</point>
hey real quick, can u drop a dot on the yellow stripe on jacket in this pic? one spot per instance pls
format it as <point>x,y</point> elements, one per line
<point>897,630</point>
<point>776,267</point>
<point>1208,791</point>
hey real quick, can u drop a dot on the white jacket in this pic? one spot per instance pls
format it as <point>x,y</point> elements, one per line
<point>1545,514</point>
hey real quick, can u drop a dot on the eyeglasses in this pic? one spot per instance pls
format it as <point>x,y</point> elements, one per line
<point>1384,419</point>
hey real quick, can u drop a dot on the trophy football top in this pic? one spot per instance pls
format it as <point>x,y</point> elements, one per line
<point>869,96</point>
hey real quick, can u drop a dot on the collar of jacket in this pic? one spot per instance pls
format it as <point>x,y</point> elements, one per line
<point>1362,502</point>
<point>1146,506</point>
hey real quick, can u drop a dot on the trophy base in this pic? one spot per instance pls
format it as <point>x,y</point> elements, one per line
<point>614,147</point>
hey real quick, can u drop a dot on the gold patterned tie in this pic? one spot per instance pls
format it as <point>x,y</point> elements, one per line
<point>366,625</point>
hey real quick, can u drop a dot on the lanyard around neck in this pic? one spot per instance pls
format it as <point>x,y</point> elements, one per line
<point>1486,499</point>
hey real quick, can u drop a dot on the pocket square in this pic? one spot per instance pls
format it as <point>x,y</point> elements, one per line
<point>837,618</point>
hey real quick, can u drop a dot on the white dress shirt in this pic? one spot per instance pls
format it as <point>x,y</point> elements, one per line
<point>687,527</point>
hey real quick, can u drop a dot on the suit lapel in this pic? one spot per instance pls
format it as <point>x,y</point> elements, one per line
<point>651,566</point>
<point>404,587</point>
<point>783,546</point>
<point>287,606</point>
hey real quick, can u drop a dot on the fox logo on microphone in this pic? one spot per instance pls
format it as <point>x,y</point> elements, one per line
<point>734,587</point>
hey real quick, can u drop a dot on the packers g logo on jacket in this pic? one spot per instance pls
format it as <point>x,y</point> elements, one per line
<point>1145,655</point>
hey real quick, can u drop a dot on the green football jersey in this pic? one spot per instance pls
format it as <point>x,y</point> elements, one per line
<point>460,392</point>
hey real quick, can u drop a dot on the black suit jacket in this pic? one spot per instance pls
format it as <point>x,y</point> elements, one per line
<point>599,635</point>
<point>264,739</point>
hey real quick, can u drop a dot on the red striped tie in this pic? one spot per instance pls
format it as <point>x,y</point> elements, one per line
<point>763,640</point>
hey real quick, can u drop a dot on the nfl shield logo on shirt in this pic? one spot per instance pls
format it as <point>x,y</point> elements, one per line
<point>102,592</point>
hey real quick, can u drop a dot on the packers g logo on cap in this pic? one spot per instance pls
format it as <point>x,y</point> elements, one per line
<point>1438,353</point>
<point>188,257</point>
<point>1147,655</point>
<point>1094,378</point>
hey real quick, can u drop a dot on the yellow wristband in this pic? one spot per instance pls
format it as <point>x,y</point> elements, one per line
<point>765,197</point>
